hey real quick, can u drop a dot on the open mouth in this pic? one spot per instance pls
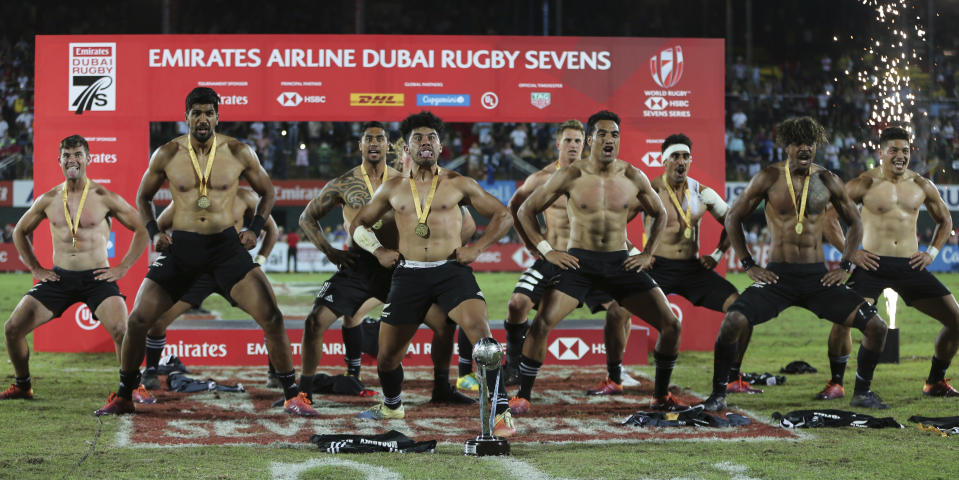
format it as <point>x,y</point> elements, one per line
<point>203,130</point>
<point>608,149</point>
<point>426,153</point>
<point>373,152</point>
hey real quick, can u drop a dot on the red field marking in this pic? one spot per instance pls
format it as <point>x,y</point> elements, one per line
<point>561,413</point>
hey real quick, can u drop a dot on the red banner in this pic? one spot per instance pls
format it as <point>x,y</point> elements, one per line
<point>109,88</point>
<point>10,259</point>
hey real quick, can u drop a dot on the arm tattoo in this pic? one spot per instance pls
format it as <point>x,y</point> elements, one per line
<point>353,191</point>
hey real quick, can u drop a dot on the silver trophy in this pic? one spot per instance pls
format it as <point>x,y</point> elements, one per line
<point>488,355</point>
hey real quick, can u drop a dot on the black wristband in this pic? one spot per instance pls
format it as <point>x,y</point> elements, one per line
<point>845,265</point>
<point>747,262</point>
<point>153,229</point>
<point>257,224</point>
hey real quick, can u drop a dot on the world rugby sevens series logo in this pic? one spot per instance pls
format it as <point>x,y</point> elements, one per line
<point>667,66</point>
<point>93,94</point>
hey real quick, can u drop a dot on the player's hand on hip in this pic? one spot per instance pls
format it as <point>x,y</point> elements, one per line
<point>760,274</point>
<point>865,260</point>
<point>161,242</point>
<point>533,251</point>
<point>639,262</point>
<point>387,257</point>
<point>919,260</point>
<point>708,262</point>
<point>834,277</point>
<point>466,254</point>
<point>562,260</point>
<point>109,274</point>
<point>44,275</point>
<point>340,258</point>
<point>247,239</point>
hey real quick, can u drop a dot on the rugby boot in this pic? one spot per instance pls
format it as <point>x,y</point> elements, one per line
<point>141,395</point>
<point>715,403</point>
<point>629,381</point>
<point>867,400</point>
<point>519,405</point>
<point>469,382</point>
<point>606,387</point>
<point>15,392</point>
<point>299,405</point>
<point>445,393</point>
<point>116,406</point>
<point>741,386</point>
<point>504,426</point>
<point>831,392</point>
<point>938,389</point>
<point>381,412</point>
<point>150,379</point>
<point>511,372</point>
<point>669,403</point>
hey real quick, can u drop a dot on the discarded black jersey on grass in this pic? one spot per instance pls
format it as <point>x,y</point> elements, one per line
<point>391,441</point>
<point>832,418</point>
<point>691,417</point>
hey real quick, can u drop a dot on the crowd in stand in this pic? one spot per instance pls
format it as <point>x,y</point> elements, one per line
<point>16,109</point>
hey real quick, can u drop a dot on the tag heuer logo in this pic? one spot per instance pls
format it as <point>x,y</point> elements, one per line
<point>93,83</point>
<point>539,100</point>
<point>289,99</point>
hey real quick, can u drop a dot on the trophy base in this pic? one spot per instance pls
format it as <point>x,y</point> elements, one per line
<point>486,446</point>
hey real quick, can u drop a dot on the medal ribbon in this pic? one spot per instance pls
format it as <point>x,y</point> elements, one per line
<point>204,179</point>
<point>71,223</point>
<point>685,215</point>
<point>800,209</point>
<point>422,214</point>
<point>366,178</point>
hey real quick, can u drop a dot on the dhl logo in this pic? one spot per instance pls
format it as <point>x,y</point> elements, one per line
<point>376,99</point>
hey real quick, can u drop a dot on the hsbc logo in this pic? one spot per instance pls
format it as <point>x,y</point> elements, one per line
<point>656,103</point>
<point>289,99</point>
<point>568,348</point>
<point>523,257</point>
<point>653,159</point>
<point>667,67</point>
<point>84,318</point>
<point>103,158</point>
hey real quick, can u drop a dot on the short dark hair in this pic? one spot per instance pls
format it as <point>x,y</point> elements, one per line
<point>600,115</point>
<point>203,96</point>
<point>893,133</point>
<point>74,141</point>
<point>800,131</point>
<point>372,124</point>
<point>422,119</point>
<point>676,138</point>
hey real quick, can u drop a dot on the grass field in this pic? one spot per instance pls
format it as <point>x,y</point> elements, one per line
<point>47,437</point>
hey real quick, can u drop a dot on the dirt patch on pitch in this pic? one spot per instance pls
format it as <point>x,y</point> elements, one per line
<point>561,413</point>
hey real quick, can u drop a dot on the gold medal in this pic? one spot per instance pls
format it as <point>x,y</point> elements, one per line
<point>203,201</point>
<point>422,230</point>
<point>74,223</point>
<point>685,215</point>
<point>378,225</point>
<point>801,207</point>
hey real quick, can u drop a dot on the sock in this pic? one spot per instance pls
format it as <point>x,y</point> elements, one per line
<point>353,340</point>
<point>528,369</point>
<point>734,371</point>
<point>154,351</point>
<point>441,379</point>
<point>494,377</point>
<point>867,365</point>
<point>466,353</point>
<point>270,368</point>
<point>837,367</point>
<point>392,384</point>
<point>288,381</point>
<point>664,370</point>
<point>306,385</point>
<point>724,356</point>
<point>938,370</point>
<point>515,335</point>
<point>23,383</point>
<point>129,381</point>
<point>615,372</point>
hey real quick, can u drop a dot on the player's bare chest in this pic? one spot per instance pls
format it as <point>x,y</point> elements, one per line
<point>786,202</point>
<point>886,197</point>
<point>445,198</point>
<point>91,214</point>
<point>223,174</point>
<point>597,193</point>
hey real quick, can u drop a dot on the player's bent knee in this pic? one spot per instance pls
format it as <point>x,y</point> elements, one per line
<point>519,304</point>
<point>733,323</point>
<point>14,328</point>
<point>864,315</point>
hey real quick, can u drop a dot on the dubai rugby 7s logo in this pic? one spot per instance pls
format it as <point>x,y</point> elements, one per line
<point>667,66</point>
<point>93,74</point>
